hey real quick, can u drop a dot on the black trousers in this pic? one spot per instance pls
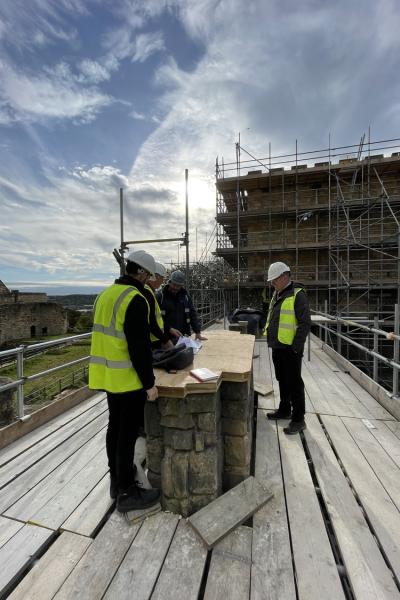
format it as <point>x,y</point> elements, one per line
<point>126,417</point>
<point>291,386</point>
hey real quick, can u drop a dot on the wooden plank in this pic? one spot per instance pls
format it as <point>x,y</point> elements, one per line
<point>48,487</point>
<point>394,426</point>
<point>91,511</point>
<point>21,463</point>
<point>272,571</point>
<point>19,552</point>
<point>50,572</point>
<point>31,439</point>
<point>384,467</point>
<point>8,528</point>
<point>381,511</point>
<point>183,568</point>
<point>143,562</point>
<point>369,576</point>
<point>31,477</point>
<point>62,504</point>
<point>230,568</point>
<point>221,516</point>
<point>387,439</point>
<point>94,572</point>
<point>266,402</point>
<point>316,572</point>
<point>263,388</point>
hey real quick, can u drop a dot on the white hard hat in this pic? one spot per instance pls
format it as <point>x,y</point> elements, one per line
<point>144,260</point>
<point>277,269</point>
<point>160,270</point>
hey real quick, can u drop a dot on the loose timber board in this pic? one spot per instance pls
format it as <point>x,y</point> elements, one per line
<point>221,516</point>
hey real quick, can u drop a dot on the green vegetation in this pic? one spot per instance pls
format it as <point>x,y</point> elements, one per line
<point>49,385</point>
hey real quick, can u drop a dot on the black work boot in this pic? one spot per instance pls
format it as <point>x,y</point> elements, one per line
<point>294,427</point>
<point>113,487</point>
<point>135,498</point>
<point>277,414</point>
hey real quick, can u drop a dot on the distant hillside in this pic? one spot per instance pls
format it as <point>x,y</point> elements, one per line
<point>75,301</point>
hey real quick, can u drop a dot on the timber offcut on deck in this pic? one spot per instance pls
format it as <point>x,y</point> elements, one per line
<point>331,531</point>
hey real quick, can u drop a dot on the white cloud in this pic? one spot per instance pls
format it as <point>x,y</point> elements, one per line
<point>93,72</point>
<point>138,116</point>
<point>49,95</point>
<point>147,44</point>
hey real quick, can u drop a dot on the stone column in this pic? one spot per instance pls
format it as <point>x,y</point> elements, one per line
<point>237,401</point>
<point>7,404</point>
<point>185,450</point>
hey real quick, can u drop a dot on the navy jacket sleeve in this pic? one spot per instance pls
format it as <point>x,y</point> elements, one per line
<point>194,319</point>
<point>136,329</point>
<point>154,328</point>
<point>303,316</point>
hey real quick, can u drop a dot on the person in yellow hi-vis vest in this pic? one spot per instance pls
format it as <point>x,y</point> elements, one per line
<point>159,338</point>
<point>288,324</point>
<point>121,365</point>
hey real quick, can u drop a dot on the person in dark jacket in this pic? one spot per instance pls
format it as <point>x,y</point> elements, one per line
<point>287,327</point>
<point>179,314</point>
<point>121,364</point>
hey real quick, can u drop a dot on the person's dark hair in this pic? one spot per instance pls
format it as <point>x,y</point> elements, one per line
<point>132,268</point>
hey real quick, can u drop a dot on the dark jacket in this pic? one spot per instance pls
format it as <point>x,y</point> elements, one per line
<point>137,332</point>
<point>173,307</point>
<point>302,312</point>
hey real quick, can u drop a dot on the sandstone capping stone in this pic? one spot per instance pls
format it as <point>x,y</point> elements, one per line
<point>176,422</point>
<point>178,439</point>
<point>235,427</point>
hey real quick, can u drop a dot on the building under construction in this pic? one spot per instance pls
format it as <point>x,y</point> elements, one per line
<point>332,215</point>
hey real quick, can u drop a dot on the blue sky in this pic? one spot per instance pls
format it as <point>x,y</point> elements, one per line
<point>98,94</point>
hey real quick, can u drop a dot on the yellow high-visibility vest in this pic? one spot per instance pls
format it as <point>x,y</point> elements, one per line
<point>110,366</point>
<point>287,318</point>
<point>159,318</point>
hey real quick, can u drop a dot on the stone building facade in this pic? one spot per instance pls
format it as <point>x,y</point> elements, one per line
<point>26,315</point>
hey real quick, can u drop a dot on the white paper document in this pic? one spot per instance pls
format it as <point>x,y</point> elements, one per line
<point>189,343</point>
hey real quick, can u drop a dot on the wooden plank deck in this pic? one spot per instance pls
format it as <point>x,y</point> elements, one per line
<point>331,530</point>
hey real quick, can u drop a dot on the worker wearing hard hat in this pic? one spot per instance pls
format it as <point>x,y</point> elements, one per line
<point>179,314</point>
<point>287,327</point>
<point>121,364</point>
<point>159,338</point>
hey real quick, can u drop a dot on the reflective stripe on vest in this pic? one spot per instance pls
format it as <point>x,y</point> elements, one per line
<point>110,367</point>
<point>287,318</point>
<point>158,313</point>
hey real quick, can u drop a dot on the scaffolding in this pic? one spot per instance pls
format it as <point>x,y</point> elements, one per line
<point>332,214</point>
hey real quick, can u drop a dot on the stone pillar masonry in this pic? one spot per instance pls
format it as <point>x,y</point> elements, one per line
<point>7,403</point>
<point>199,446</point>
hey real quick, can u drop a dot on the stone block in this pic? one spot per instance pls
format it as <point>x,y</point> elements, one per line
<point>203,403</point>
<point>237,451</point>
<point>155,453</point>
<point>239,409</point>
<point>180,474</point>
<point>199,441</point>
<point>211,439</point>
<point>209,421</point>
<point>172,406</point>
<point>166,473</point>
<point>205,472</point>
<point>171,504</point>
<point>235,426</point>
<point>199,501</point>
<point>179,439</point>
<point>152,419</point>
<point>231,390</point>
<point>7,403</point>
<point>178,422</point>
